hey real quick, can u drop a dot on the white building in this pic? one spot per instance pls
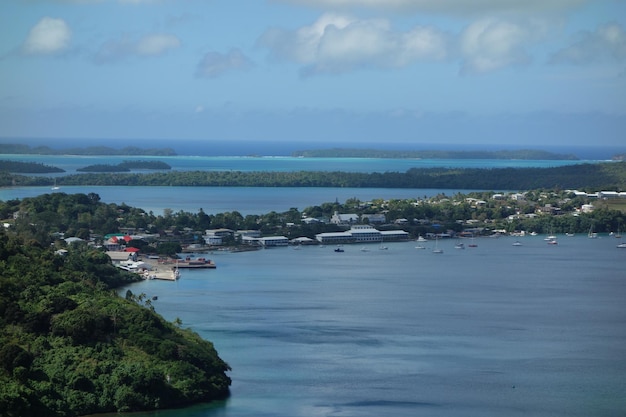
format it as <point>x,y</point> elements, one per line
<point>344,218</point>
<point>363,234</point>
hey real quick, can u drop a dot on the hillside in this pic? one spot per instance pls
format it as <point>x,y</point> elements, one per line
<point>69,345</point>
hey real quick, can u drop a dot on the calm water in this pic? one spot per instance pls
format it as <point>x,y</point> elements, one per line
<point>497,330</point>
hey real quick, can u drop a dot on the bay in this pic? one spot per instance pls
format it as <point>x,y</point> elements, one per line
<point>497,330</point>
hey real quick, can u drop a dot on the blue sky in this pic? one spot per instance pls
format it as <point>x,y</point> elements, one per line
<point>501,72</point>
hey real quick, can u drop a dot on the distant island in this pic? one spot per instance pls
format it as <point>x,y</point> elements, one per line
<point>523,154</point>
<point>12,149</point>
<point>28,167</point>
<point>126,166</point>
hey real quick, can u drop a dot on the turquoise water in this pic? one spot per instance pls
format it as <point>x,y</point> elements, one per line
<point>285,164</point>
<point>495,330</point>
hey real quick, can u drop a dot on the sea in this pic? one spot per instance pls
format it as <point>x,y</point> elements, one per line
<point>494,330</point>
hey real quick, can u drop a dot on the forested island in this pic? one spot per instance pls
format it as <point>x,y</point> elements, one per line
<point>69,344</point>
<point>126,166</point>
<point>608,176</point>
<point>523,154</point>
<point>11,148</point>
<point>28,167</point>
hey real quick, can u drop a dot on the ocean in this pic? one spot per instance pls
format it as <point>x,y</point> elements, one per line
<point>496,330</point>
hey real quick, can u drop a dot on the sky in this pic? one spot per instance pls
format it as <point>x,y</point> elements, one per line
<point>415,72</point>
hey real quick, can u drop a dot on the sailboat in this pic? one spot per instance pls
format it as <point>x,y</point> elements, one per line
<point>437,249</point>
<point>472,244</point>
<point>592,234</point>
<point>55,186</point>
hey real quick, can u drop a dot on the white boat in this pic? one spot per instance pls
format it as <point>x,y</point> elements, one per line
<point>592,234</point>
<point>622,246</point>
<point>459,245</point>
<point>517,243</point>
<point>437,249</point>
<point>55,186</point>
<point>420,247</point>
<point>421,239</point>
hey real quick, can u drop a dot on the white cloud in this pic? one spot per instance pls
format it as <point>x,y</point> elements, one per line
<point>156,44</point>
<point>48,37</point>
<point>150,45</point>
<point>489,44</point>
<point>453,7</point>
<point>337,43</point>
<point>214,64</point>
<point>607,43</point>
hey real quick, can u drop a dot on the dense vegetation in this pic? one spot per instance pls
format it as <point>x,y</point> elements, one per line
<point>28,167</point>
<point>608,176</point>
<point>69,345</point>
<point>126,166</point>
<point>526,154</point>
<point>12,148</point>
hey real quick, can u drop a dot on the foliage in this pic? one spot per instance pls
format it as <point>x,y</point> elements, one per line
<point>28,167</point>
<point>69,345</point>
<point>125,166</point>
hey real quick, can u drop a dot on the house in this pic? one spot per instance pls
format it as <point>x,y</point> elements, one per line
<point>344,219</point>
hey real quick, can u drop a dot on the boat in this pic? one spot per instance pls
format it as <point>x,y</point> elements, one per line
<point>339,250</point>
<point>55,186</point>
<point>517,243</point>
<point>364,250</point>
<point>553,242</point>
<point>459,245</point>
<point>382,247</point>
<point>189,263</point>
<point>420,247</point>
<point>622,246</point>
<point>437,249</point>
<point>592,234</point>
<point>472,243</point>
<point>421,239</point>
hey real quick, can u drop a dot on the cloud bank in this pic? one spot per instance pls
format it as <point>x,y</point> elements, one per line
<point>337,43</point>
